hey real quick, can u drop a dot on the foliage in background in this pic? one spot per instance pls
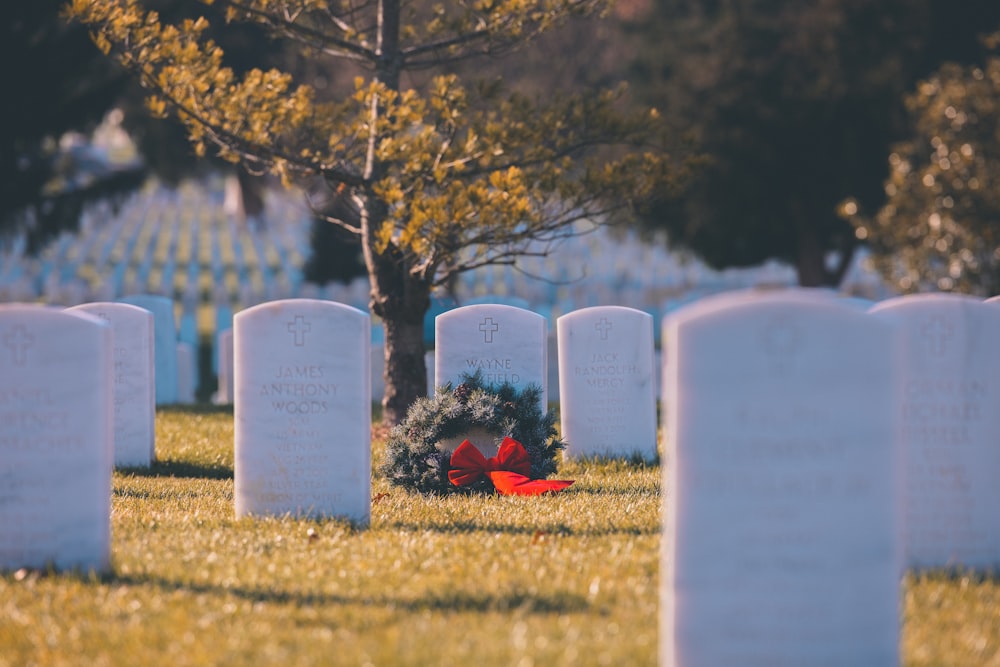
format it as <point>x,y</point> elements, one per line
<point>442,176</point>
<point>414,458</point>
<point>940,227</point>
<point>53,82</point>
<point>797,104</point>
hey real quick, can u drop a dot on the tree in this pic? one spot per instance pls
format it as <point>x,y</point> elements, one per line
<point>61,85</point>
<point>53,82</point>
<point>940,227</point>
<point>797,105</point>
<point>441,177</point>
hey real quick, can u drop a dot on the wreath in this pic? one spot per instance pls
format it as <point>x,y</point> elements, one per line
<point>415,459</point>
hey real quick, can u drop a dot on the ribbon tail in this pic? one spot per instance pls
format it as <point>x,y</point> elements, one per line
<point>515,484</point>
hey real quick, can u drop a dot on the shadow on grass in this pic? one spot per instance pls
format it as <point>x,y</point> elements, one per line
<point>445,601</point>
<point>197,408</point>
<point>535,531</point>
<point>142,494</point>
<point>180,469</point>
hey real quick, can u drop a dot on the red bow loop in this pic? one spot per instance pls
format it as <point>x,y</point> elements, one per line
<point>508,470</point>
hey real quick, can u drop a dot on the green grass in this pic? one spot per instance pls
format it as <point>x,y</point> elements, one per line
<point>568,579</point>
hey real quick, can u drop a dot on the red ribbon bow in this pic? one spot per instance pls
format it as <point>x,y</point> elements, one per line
<point>508,470</point>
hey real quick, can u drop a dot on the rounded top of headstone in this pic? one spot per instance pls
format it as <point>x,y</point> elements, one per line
<point>47,314</point>
<point>596,311</point>
<point>117,309</point>
<point>470,310</point>
<point>794,298</point>
<point>936,299</point>
<point>280,305</point>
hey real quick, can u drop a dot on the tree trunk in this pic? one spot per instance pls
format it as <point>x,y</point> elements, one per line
<point>810,260</point>
<point>405,372</point>
<point>402,302</point>
<point>400,299</point>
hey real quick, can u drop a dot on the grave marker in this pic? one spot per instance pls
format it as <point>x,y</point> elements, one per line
<point>224,344</point>
<point>950,407</point>
<point>781,509</point>
<point>504,343</point>
<point>187,372</point>
<point>606,387</point>
<point>303,410</point>
<point>134,400</point>
<point>56,449</point>
<point>164,343</point>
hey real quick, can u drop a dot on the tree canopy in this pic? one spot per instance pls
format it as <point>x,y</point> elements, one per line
<point>939,229</point>
<point>439,174</point>
<point>797,105</point>
<point>53,82</point>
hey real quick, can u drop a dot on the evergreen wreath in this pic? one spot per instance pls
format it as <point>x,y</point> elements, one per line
<point>414,459</point>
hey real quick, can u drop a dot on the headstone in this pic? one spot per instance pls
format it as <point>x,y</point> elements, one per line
<point>303,410</point>
<point>429,367</point>
<point>781,507</point>
<point>164,343</point>
<point>378,370</point>
<point>607,403</point>
<point>224,344</point>
<point>56,432</point>
<point>504,343</point>
<point>187,372</point>
<point>133,377</point>
<point>950,408</point>
<point>223,318</point>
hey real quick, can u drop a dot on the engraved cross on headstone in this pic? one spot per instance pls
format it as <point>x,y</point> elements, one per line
<point>299,328</point>
<point>603,326</point>
<point>488,327</point>
<point>936,331</point>
<point>18,341</point>
<point>781,341</point>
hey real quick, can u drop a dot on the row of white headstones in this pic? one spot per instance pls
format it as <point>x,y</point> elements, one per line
<point>813,446</point>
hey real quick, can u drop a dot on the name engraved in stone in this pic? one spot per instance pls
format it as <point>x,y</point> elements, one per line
<point>940,416</point>
<point>604,370</point>
<point>940,412</point>
<point>45,428</point>
<point>494,371</point>
<point>292,384</point>
<point>299,372</point>
<point>12,395</point>
<point>31,420</point>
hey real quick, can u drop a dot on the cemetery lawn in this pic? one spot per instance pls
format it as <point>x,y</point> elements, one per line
<point>567,579</point>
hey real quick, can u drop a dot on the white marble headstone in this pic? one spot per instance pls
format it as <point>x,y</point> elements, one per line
<point>781,543</point>
<point>135,407</point>
<point>303,410</point>
<point>950,406</point>
<point>607,399</point>
<point>224,343</point>
<point>504,343</point>
<point>164,343</point>
<point>187,372</point>
<point>56,438</point>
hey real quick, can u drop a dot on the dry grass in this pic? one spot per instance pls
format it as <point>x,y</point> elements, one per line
<point>569,579</point>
